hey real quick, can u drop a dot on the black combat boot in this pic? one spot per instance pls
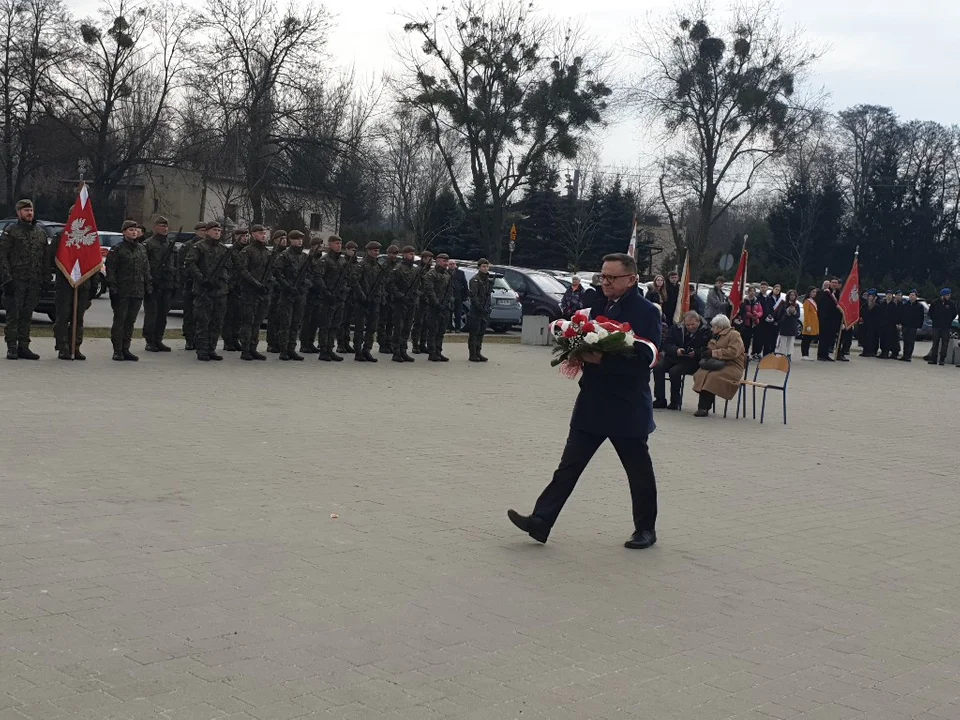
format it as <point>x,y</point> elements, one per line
<point>417,350</point>
<point>12,353</point>
<point>64,355</point>
<point>385,350</point>
<point>255,354</point>
<point>368,356</point>
<point>127,355</point>
<point>118,355</point>
<point>25,353</point>
<point>324,355</point>
<point>245,355</point>
<point>79,355</point>
<point>443,358</point>
<point>284,355</point>
<point>190,345</point>
<point>397,357</point>
<point>214,355</point>
<point>335,357</point>
<point>230,346</point>
<point>406,356</point>
<point>150,347</point>
<point>358,357</point>
<point>482,358</point>
<point>203,357</point>
<point>163,348</point>
<point>433,357</point>
<point>309,349</point>
<point>474,357</point>
<point>294,355</point>
<point>273,349</point>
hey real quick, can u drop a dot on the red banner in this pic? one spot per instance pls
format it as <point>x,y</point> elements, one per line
<point>738,290</point>
<point>850,296</point>
<point>683,301</point>
<point>78,253</point>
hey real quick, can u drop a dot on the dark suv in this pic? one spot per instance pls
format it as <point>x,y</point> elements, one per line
<point>47,305</point>
<point>540,293</point>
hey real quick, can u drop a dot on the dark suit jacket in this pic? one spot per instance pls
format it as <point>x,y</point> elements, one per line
<point>678,338</point>
<point>615,399</point>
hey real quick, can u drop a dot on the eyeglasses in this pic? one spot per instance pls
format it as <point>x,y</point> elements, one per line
<point>611,278</point>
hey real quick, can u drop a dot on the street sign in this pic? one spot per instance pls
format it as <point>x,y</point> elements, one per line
<point>513,234</point>
<point>513,246</point>
<point>726,262</point>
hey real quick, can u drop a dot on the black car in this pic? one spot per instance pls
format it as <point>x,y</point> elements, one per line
<point>47,304</point>
<point>540,293</point>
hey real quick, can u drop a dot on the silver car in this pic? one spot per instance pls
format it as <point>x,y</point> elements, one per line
<point>506,310</point>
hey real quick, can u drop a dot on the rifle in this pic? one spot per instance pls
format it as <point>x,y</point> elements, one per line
<point>413,282</point>
<point>303,269</point>
<point>269,264</point>
<point>169,251</point>
<point>218,267</point>
<point>376,283</point>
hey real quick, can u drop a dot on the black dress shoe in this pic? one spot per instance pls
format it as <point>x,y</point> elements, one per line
<point>641,540</point>
<point>659,404</point>
<point>534,527</point>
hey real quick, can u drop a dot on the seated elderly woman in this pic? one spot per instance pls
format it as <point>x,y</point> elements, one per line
<point>722,366</point>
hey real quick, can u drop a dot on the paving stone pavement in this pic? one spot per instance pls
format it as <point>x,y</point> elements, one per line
<point>167,548</point>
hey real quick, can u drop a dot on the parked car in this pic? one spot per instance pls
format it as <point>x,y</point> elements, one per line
<point>539,293</point>
<point>506,310</point>
<point>47,305</point>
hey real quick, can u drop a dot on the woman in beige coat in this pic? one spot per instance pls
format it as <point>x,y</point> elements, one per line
<point>727,346</point>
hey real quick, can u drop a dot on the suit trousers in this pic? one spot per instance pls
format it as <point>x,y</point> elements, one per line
<point>156,305</point>
<point>675,368</point>
<point>909,342</point>
<point>125,311</point>
<point>19,301</point>
<point>577,453</point>
<point>941,340</point>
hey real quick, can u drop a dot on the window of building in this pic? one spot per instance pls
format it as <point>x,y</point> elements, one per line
<point>230,211</point>
<point>156,204</point>
<point>316,221</point>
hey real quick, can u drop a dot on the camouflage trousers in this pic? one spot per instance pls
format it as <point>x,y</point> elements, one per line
<point>156,305</point>
<point>19,300</point>
<point>253,311</point>
<point>436,324</point>
<point>289,319</point>
<point>385,327</point>
<point>189,324</point>
<point>402,323</point>
<point>125,311</point>
<point>63,325</point>
<point>417,334</point>
<point>311,320</point>
<point>208,312</point>
<point>331,318</point>
<point>231,320</point>
<point>366,318</point>
<point>346,320</point>
<point>273,325</point>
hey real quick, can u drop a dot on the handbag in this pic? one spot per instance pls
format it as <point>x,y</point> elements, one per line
<point>712,364</point>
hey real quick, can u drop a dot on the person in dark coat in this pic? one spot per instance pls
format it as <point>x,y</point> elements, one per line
<point>460,294</point>
<point>767,332</point>
<point>942,313</point>
<point>890,326</point>
<point>672,292</point>
<point>870,323</point>
<point>831,318</point>
<point>683,347</point>
<point>614,404</point>
<point>911,320</point>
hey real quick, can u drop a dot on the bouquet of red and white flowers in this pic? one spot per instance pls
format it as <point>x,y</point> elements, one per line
<point>580,335</point>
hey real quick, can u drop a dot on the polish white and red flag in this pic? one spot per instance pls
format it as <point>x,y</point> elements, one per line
<point>78,253</point>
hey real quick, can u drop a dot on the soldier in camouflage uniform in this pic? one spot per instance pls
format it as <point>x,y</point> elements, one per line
<point>334,288</point>
<point>404,290</point>
<point>417,334</point>
<point>255,267</point>
<point>208,265</point>
<point>24,261</point>
<point>129,280</point>
<point>279,242</point>
<point>385,325</point>
<point>481,303</point>
<point>368,296</point>
<point>438,291</point>
<point>63,324</point>
<point>293,276</point>
<point>231,318</point>
<point>314,302</point>
<point>163,270</point>
<point>186,284</point>
<point>353,267</point>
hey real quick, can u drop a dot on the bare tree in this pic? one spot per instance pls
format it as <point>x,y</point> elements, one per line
<point>731,102</point>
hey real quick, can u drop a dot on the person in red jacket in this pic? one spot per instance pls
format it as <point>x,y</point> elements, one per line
<point>748,320</point>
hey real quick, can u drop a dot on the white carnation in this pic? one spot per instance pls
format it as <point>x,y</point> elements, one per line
<point>601,332</point>
<point>629,339</point>
<point>591,338</point>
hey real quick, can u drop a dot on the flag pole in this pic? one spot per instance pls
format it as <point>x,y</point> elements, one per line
<point>843,321</point>
<point>73,325</point>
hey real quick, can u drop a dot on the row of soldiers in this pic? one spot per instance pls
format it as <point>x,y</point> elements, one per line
<point>313,297</point>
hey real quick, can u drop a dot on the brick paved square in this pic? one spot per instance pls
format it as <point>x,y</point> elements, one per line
<point>167,548</point>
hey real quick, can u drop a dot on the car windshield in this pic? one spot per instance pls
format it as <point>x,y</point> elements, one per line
<point>548,283</point>
<point>501,284</point>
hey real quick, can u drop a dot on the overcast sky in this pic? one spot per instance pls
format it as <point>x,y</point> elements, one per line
<point>900,53</point>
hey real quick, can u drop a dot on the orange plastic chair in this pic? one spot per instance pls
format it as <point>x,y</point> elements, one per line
<point>775,363</point>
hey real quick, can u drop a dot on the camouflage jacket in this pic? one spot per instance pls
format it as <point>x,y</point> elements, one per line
<point>334,277</point>
<point>369,282</point>
<point>253,267</point>
<point>405,282</point>
<point>128,270</point>
<point>163,265</point>
<point>207,260</point>
<point>233,266</point>
<point>481,285</point>
<point>23,253</point>
<point>292,273</point>
<point>438,289</point>
<point>184,280</point>
<point>353,274</point>
<point>388,267</point>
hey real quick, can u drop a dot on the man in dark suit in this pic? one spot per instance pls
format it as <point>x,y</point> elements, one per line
<point>614,403</point>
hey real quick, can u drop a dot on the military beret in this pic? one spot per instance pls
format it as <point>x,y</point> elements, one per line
<point>871,291</point>
<point>373,245</point>
<point>945,291</point>
<point>443,256</point>
<point>200,226</point>
<point>914,292</point>
<point>278,234</point>
<point>426,254</point>
<point>351,245</point>
<point>257,228</point>
<point>395,249</point>
<point>21,204</point>
<point>333,239</point>
<point>127,224</point>
<point>483,261</point>
<point>240,231</point>
<point>408,249</point>
<point>161,220</point>
<point>212,225</point>
<point>294,234</point>
<point>316,242</point>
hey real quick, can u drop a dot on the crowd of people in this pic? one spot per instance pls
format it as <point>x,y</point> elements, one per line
<point>322,297</point>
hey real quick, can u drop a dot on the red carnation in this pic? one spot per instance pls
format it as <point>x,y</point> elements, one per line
<point>625,327</point>
<point>570,333</point>
<point>588,327</point>
<point>580,317</point>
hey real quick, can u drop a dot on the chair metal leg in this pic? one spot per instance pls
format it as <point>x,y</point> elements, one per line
<point>755,401</point>
<point>784,406</point>
<point>763,407</point>
<point>725,404</point>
